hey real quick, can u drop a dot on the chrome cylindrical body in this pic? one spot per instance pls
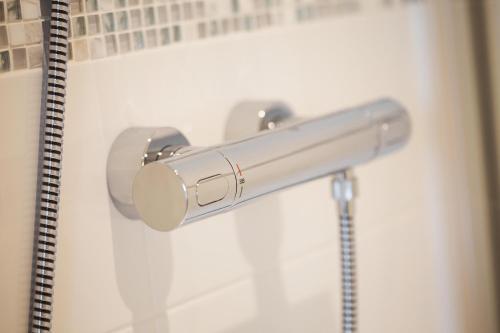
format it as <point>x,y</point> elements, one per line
<point>199,182</point>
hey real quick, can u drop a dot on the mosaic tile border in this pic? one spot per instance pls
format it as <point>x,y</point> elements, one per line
<point>106,28</point>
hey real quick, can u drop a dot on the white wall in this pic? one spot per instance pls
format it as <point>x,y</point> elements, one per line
<point>272,266</point>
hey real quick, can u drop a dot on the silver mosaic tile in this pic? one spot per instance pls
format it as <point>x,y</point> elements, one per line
<point>33,33</point>
<point>120,3</point>
<point>151,38</point>
<point>19,58</point>
<point>78,26</point>
<point>35,56</point>
<point>13,10</point>
<point>111,45</point>
<point>76,7</point>
<point>97,48</point>
<point>125,45</point>
<point>4,39</point>
<point>93,24</point>
<point>108,22</point>
<point>121,19</point>
<point>135,18</point>
<point>138,38</point>
<point>91,6</point>
<point>164,36</point>
<point>4,61</point>
<point>30,9</point>
<point>80,50</point>
<point>17,35</point>
<point>2,11</point>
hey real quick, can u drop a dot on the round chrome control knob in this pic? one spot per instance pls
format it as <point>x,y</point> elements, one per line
<point>160,197</point>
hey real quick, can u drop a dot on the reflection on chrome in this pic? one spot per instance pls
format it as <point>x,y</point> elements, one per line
<point>177,184</point>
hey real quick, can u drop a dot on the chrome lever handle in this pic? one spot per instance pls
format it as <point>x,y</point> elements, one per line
<point>154,174</point>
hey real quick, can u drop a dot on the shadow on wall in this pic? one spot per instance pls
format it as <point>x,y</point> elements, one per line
<point>262,223</point>
<point>139,267</point>
<point>143,277</point>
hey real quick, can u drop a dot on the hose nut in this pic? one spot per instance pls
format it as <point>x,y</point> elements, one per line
<point>344,186</point>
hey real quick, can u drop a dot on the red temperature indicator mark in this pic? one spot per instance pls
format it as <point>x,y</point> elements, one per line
<point>239,170</point>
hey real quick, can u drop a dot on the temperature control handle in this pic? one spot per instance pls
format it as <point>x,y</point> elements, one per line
<point>192,183</point>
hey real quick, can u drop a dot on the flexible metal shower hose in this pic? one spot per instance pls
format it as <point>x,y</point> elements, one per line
<point>50,164</point>
<point>344,190</point>
<point>348,272</point>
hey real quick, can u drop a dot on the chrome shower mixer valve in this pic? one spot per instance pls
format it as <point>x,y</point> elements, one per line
<point>156,176</point>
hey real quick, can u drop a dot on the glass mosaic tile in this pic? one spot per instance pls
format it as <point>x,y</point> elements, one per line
<point>80,50</point>
<point>138,40</point>
<point>90,5</point>
<point>17,35</point>
<point>19,58</point>
<point>33,33</point>
<point>35,56</point>
<point>124,43</point>
<point>76,7</point>
<point>2,11</point>
<point>187,10</point>
<point>162,14</point>
<point>149,16</point>
<point>13,10</point>
<point>164,36</point>
<point>200,9</point>
<point>175,11</point>
<point>108,22</point>
<point>4,61</point>
<point>105,5</point>
<point>111,45</point>
<point>93,24</point>
<point>97,48</point>
<point>177,33</point>
<point>120,3</point>
<point>151,39</point>
<point>121,20</point>
<point>78,26</point>
<point>136,18</point>
<point>4,39</point>
<point>106,28</point>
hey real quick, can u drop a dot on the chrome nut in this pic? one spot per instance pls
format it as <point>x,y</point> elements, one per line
<point>344,186</point>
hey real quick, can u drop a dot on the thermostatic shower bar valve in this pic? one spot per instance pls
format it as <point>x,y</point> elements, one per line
<point>156,176</point>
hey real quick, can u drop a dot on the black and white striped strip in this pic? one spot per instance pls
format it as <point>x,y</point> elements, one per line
<point>347,252</point>
<point>50,164</point>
